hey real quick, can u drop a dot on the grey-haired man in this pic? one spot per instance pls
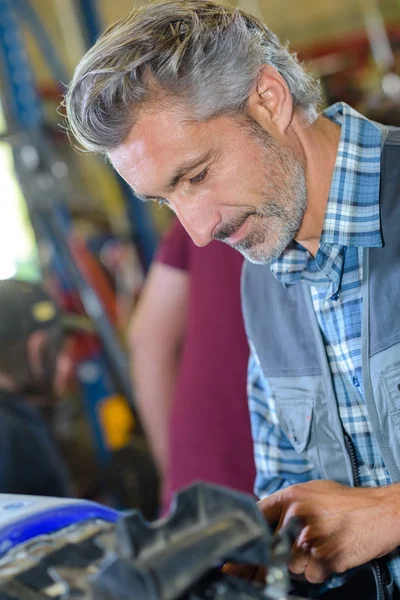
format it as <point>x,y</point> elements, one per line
<point>198,106</point>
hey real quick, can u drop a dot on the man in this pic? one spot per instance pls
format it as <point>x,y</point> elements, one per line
<point>31,370</point>
<point>198,106</point>
<point>189,362</point>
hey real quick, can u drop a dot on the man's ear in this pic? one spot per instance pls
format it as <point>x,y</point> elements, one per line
<point>35,345</point>
<point>270,102</point>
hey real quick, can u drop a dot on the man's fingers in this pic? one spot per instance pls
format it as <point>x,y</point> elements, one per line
<point>316,571</point>
<point>271,507</point>
<point>299,559</point>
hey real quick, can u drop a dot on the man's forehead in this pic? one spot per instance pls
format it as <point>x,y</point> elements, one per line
<point>153,133</point>
<point>158,142</point>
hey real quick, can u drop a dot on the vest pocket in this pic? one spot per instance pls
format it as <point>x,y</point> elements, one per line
<point>295,416</point>
<point>390,380</point>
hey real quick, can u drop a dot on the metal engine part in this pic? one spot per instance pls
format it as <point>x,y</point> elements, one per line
<point>65,550</point>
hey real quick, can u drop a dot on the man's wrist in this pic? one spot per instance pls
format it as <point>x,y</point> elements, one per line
<point>388,498</point>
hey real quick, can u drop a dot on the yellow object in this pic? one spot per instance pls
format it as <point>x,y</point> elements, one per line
<point>117,421</point>
<point>44,311</point>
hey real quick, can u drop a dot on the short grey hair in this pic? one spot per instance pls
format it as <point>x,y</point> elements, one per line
<point>200,53</point>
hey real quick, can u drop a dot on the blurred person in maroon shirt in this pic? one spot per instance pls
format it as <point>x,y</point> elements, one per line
<point>189,362</point>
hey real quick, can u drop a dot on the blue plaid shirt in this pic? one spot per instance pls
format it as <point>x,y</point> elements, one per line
<point>335,275</point>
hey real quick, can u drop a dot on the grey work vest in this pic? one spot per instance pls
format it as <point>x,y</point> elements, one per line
<point>283,328</point>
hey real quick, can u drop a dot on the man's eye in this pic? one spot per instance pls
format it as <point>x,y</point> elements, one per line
<point>200,177</point>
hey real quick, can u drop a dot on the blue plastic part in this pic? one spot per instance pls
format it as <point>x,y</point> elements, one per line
<point>35,521</point>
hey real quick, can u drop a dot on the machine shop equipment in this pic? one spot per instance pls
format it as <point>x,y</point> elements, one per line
<point>67,549</point>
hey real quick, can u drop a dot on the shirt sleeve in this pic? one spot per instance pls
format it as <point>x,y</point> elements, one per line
<point>278,464</point>
<point>174,249</point>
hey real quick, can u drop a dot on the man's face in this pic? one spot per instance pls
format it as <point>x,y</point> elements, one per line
<point>226,179</point>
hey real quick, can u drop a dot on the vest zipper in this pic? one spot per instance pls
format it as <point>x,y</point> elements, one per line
<point>375,565</point>
<point>357,483</point>
<point>352,455</point>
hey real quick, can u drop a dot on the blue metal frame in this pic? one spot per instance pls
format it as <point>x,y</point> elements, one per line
<point>22,99</point>
<point>25,114</point>
<point>91,20</point>
<point>96,387</point>
<point>138,214</point>
<point>141,226</point>
<point>49,51</point>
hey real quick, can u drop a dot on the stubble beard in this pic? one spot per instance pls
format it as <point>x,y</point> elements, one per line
<point>277,220</point>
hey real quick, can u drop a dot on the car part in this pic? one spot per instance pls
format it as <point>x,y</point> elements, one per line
<point>64,550</point>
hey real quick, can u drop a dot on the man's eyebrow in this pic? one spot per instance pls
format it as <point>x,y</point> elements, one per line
<point>179,172</point>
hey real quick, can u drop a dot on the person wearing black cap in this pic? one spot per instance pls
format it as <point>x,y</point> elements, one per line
<point>31,341</point>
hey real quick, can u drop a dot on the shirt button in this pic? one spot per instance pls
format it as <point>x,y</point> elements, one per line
<point>355,381</point>
<point>335,296</point>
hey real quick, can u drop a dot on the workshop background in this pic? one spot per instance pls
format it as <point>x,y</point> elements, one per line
<point>66,219</point>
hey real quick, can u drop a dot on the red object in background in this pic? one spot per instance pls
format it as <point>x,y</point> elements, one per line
<point>95,276</point>
<point>355,43</point>
<point>82,345</point>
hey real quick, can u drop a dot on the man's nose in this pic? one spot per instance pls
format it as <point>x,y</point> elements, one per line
<point>199,222</point>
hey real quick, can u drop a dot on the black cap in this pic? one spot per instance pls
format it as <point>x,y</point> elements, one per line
<point>25,308</point>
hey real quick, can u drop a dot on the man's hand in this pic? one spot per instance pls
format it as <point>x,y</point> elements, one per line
<point>342,527</point>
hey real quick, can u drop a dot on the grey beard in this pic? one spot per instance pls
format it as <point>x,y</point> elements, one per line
<point>285,201</point>
<point>286,219</point>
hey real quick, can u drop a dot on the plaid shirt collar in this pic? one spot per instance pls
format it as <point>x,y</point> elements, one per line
<point>352,213</point>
